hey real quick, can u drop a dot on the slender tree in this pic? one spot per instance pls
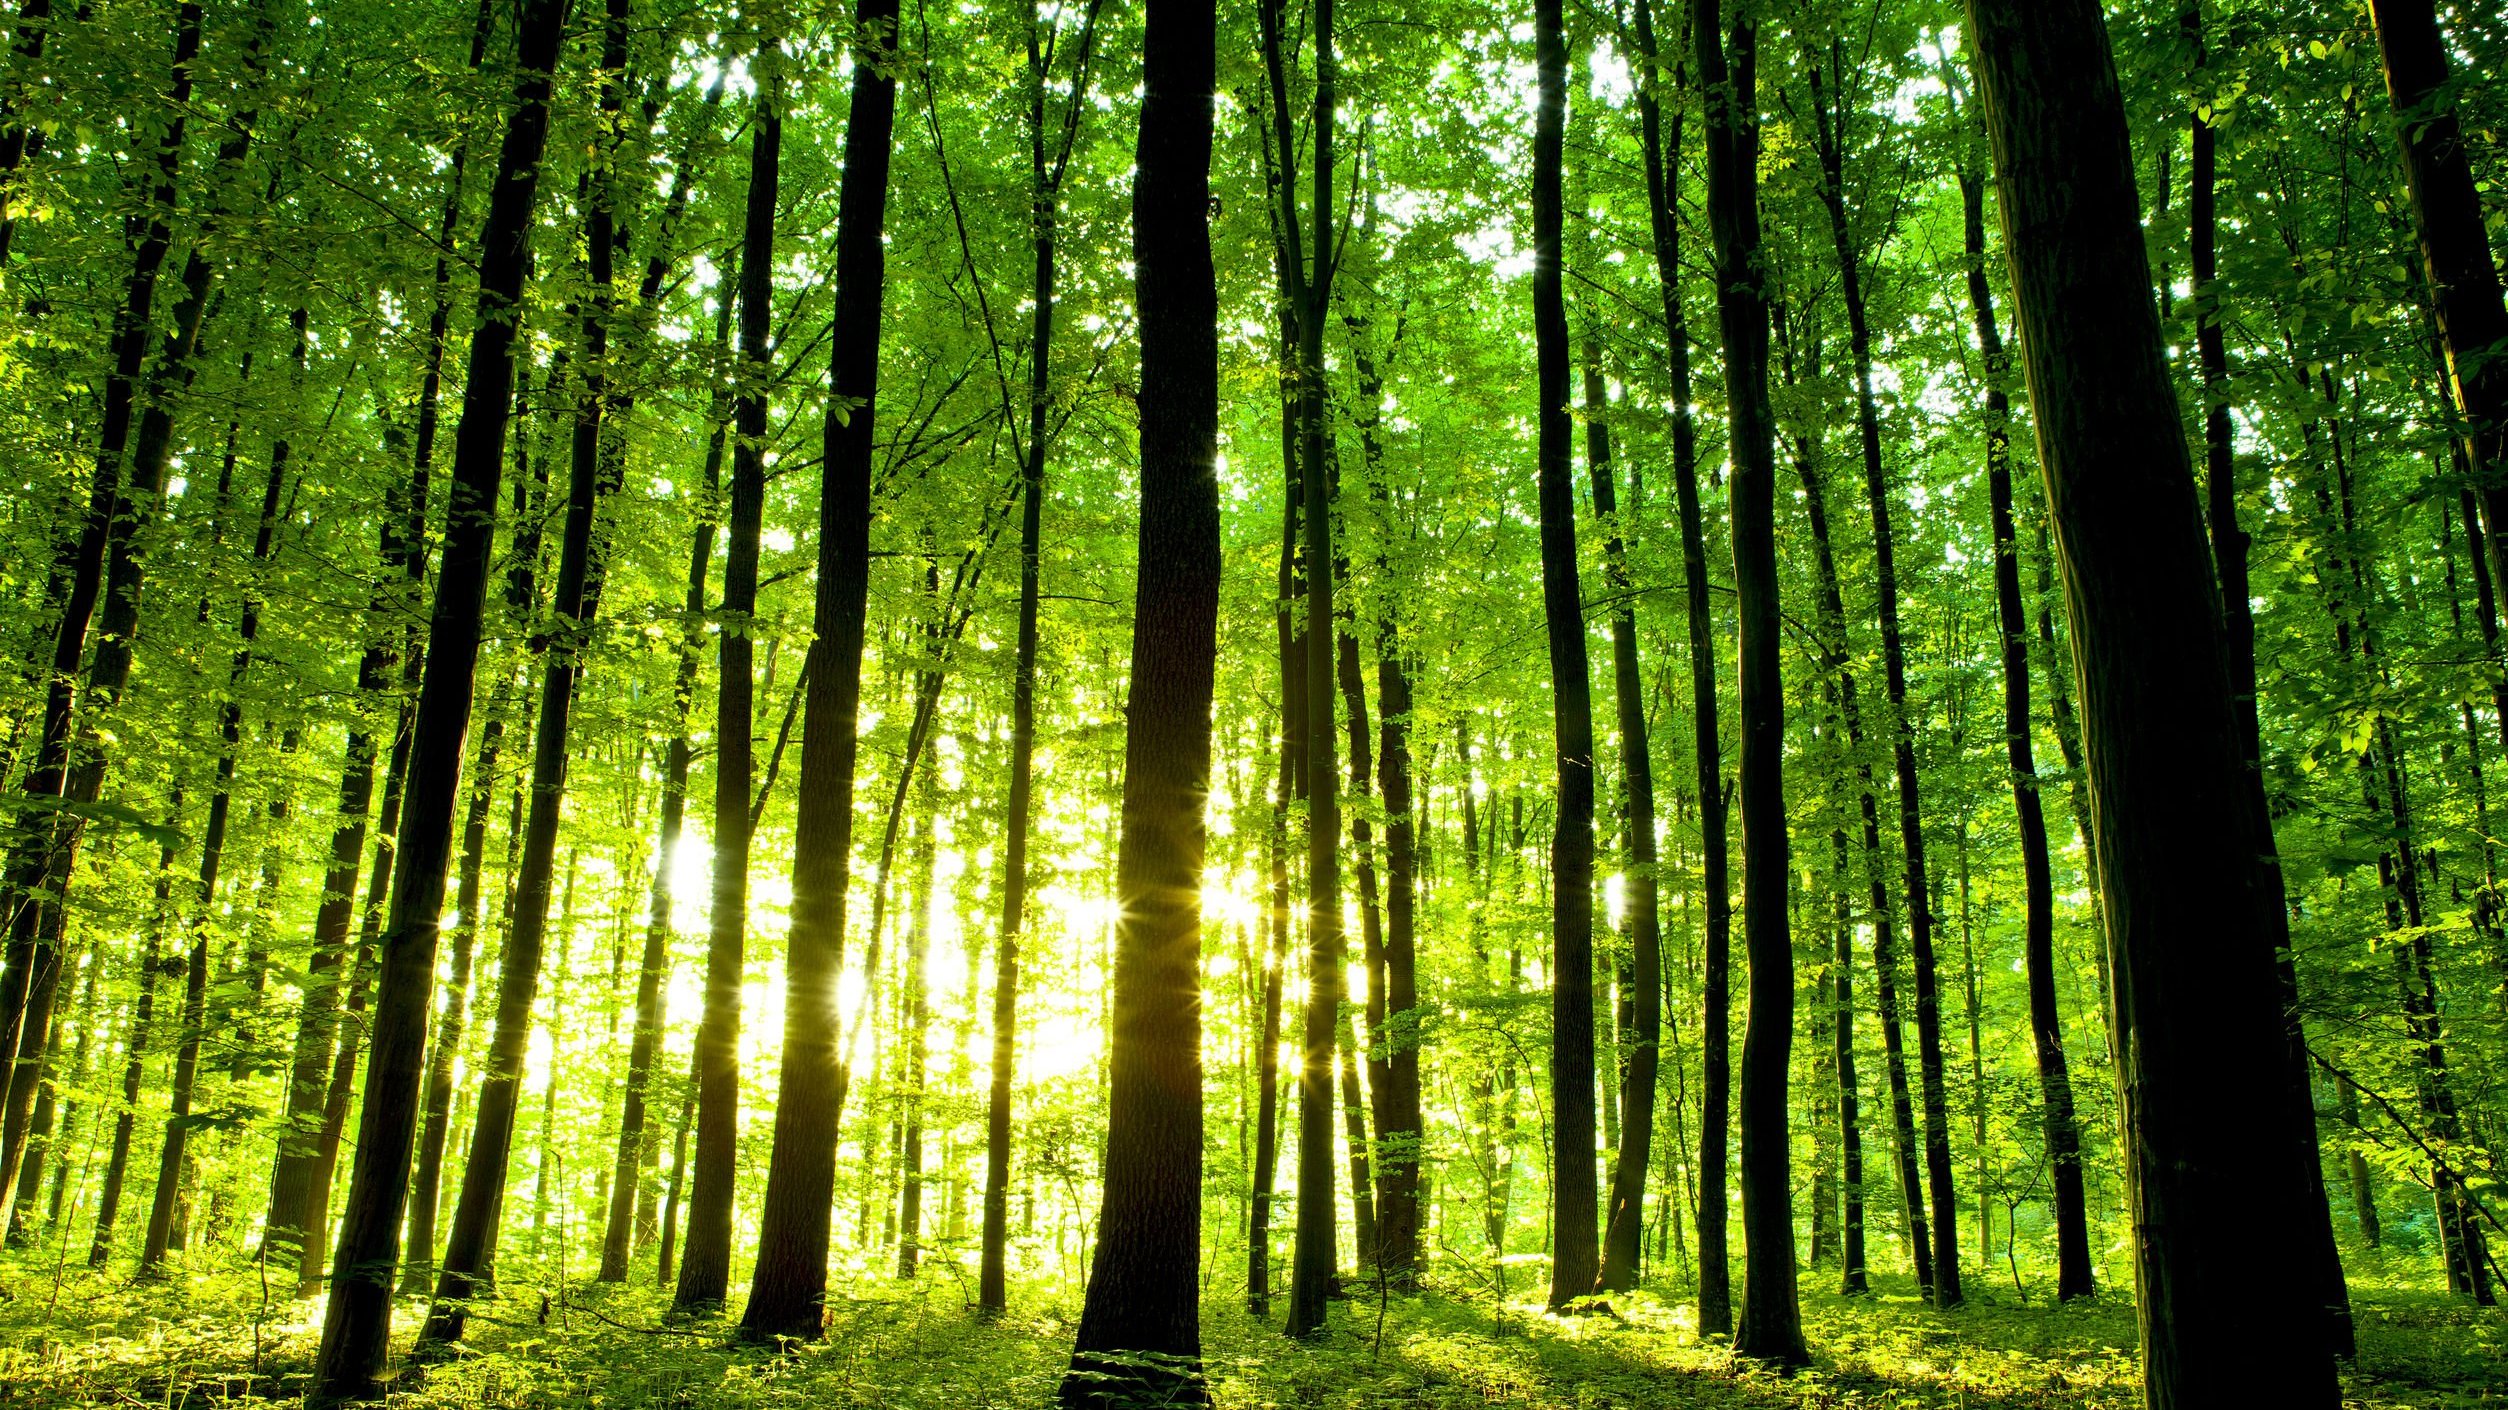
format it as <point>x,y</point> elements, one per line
<point>2073,1277</point>
<point>1140,1328</point>
<point>1576,1255</point>
<point>1770,1324</point>
<point>356,1331</point>
<point>1715,1297</point>
<point>790,1280</point>
<point>705,1266</point>
<point>1049,157</point>
<point>1311,274</point>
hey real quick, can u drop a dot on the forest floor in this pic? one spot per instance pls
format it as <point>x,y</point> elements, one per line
<point>94,1341</point>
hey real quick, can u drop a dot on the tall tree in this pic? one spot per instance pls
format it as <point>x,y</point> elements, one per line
<point>2195,992</point>
<point>1830,130</point>
<point>575,605</point>
<point>790,1280</point>
<point>2456,255</point>
<point>1770,1325</point>
<point>2073,1277</point>
<point>1049,158</point>
<point>1643,991</point>
<point>1576,1256</point>
<point>357,1323</point>
<point>705,1267</point>
<point>1310,274</point>
<point>1140,1328</point>
<point>1715,1296</point>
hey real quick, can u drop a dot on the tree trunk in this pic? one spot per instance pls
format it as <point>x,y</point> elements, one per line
<point>356,1335</point>
<point>2216,1188</point>
<point>2455,249</point>
<point>2073,1276</point>
<point>705,1268</point>
<point>1715,1298</point>
<point>1144,1285</point>
<point>31,981</point>
<point>179,1123</point>
<point>1770,1326</point>
<point>135,1059</point>
<point>1576,1254</point>
<point>633,1139</point>
<point>1944,1224</point>
<point>1045,187</point>
<point>426,1189</point>
<point>1835,655</point>
<point>915,1039</point>
<point>575,606</point>
<point>1395,1022</point>
<point>1643,991</point>
<point>663,1264</point>
<point>42,866</point>
<point>1315,1262</point>
<point>786,1291</point>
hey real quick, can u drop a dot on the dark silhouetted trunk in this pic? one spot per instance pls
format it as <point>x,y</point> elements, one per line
<point>2455,249</point>
<point>1715,1296</point>
<point>1770,1325</point>
<point>575,604</point>
<point>1830,127</point>
<point>1045,188</point>
<point>705,1268</point>
<point>135,1057</point>
<point>2217,1188</point>
<point>356,1334</point>
<point>790,1281</point>
<point>1642,996</point>
<point>1576,1254</point>
<point>182,1091</point>
<point>1314,1263</point>
<point>1144,1284</point>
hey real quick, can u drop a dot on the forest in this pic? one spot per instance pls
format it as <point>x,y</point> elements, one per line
<point>1284,703</point>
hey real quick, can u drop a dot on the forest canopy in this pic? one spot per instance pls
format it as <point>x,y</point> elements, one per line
<point>1739,702</point>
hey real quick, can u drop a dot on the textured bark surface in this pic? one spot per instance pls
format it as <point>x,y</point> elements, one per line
<point>1144,1292</point>
<point>2224,1292</point>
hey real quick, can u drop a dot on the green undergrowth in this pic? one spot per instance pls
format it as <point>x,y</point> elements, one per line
<point>70,1339</point>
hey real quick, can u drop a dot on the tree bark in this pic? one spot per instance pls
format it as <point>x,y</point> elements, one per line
<point>356,1334</point>
<point>1944,1224</point>
<point>1045,189</point>
<point>1396,1020</point>
<point>1576,1255</point>
<point>1835,655</point>
<point>1715,1297</point>
<point>1144,1284</point>
<point>135,1058</point>
<point>2455,247</point>
<point>1770,1326</point>
<point>705,1267</point>
<point>182,1093</point>
<point>2073,1277</point>
<point>1314,1264</point>
<point>1643,997</point>
<point>787,1289</point>
<point>2216,1185</point>
<point>575,606</point>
